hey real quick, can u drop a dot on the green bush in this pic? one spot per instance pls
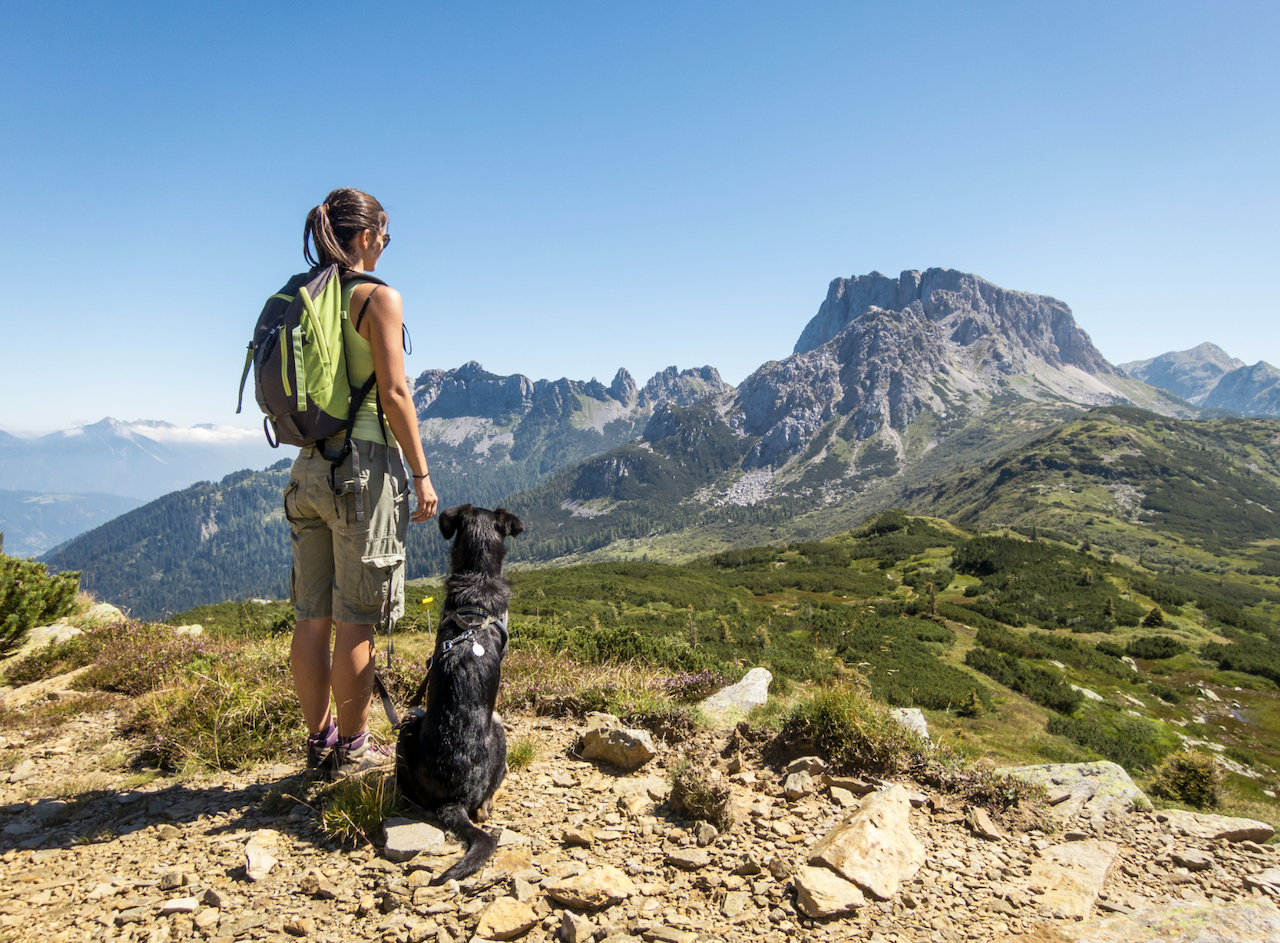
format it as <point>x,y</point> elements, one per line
<point>1189,777</point>
<point>1111,746</point>
<point>1042,686</point>
<point>29,596</point>
<point>1155,647</point>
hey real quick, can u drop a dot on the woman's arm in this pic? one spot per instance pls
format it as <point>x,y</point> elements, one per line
<point>383,322</point>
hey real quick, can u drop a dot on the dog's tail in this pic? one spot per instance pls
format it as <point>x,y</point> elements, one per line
<point>480,844</point>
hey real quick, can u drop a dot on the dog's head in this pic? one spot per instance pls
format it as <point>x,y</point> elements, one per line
<point>477,535</point>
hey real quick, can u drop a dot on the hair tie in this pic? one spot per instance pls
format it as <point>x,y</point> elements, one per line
<point>325,208</point>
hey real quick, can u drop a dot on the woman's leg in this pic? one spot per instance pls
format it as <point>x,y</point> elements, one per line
<point>309,658</point>
<point>352,676</point>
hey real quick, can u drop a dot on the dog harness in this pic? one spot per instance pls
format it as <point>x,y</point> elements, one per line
<point>473,619</point>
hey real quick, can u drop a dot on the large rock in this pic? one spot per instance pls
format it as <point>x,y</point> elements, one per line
<point>913,719</point>
<point>1235,922</point>
<point>258,860</point>
<point>599,887</point>
<point>38,689</point>
<point>822,893</point>
<point>406,838</point>
<point>1095,788</point>
<point>1072,875</point>
<point>1213,827</point>
<point>505,919</point>
<point>873,847</point>
<point>629,749</point>
<point>736,701</point>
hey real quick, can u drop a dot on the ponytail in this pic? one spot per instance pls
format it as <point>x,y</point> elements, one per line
<point>333,226</point>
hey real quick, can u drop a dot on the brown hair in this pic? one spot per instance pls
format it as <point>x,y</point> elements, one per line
<point>333,226</point>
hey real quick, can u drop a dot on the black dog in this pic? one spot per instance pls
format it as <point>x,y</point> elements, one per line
<point>451,758</point>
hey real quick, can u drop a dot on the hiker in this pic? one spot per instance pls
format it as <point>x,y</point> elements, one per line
<point>349,521</point>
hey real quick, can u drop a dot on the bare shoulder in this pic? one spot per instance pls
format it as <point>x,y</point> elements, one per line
<point>386,299</point>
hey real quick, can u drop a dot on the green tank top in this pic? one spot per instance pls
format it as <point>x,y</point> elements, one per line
<point>359,368</point>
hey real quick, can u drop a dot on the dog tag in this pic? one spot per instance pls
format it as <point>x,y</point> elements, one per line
<point>477,649</point>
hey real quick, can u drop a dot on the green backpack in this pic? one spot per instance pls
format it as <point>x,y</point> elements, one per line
<point>300,366</point>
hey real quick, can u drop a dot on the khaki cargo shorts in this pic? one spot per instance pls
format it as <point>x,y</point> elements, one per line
<point>345,568</point>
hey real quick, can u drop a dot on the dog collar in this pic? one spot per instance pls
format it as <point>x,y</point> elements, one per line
<point>474,619</point>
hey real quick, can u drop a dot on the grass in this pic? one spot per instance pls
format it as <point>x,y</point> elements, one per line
<point>522,753</point>
<point>354,809</point>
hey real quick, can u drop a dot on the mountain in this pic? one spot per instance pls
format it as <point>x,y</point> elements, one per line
<point>1191,374</point>
<point>487,436</point>
<point>204,544</point>
<point>1250,391</point>
<point>893,381</point>
<point>33,522</point>
<point>1208,376</point>
<point>142,459</point>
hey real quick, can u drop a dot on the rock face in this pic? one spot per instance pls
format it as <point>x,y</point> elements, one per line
<point>873,847</point>
<point>1073,874</point>
<point>738,700</point>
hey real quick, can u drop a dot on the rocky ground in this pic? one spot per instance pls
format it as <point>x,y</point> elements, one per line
<point>84,857</point>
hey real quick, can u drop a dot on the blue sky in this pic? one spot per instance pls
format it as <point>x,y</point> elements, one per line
<point>575,187</point>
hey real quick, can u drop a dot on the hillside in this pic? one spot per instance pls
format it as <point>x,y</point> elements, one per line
<point>210,542</point>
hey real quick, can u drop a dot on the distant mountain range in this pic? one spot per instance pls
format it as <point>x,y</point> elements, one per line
<point>142,459</point>
<point>33,521</point>
<point>895,385</point>
<point>1210,377</point>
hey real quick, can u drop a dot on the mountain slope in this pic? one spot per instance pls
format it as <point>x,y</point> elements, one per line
<point>1250,391</point>
<point>205,544</point>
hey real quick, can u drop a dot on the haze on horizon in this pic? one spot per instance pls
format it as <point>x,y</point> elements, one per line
<point>578,188</point>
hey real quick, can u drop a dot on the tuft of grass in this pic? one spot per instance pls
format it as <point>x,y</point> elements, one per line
<point>355,808</point>
<point>229,714</point>
<point>522,753</point>
<point>698,791</point>
<point>855,733</point>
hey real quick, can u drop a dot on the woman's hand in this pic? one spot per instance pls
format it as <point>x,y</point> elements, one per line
<point>427,500</point>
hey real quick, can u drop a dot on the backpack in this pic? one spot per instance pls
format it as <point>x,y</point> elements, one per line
<point>300,365</point>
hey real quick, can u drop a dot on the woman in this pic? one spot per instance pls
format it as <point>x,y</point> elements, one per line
<point>347,566</point>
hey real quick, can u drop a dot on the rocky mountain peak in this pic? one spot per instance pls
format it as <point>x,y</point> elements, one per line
<point>684,387</point>
<point>964,307</point>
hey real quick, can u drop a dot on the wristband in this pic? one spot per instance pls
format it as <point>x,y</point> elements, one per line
<point>427,475</point>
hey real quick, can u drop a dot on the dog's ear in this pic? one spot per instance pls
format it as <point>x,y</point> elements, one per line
<point>452,518</point>
<point>507,523</point>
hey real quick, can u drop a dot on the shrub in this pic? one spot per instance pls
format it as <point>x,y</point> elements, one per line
<point>692,686</point>
<point>355,808</point>
<point>853,732</point>
<point>1118,749</point>
<point>29,596</point>
<point>522,753</point>
<point>1155,647</point>
<point>1039,684</point>
<point>1189,777</point>
<point>1164,692</point>
<point>1153,619</point>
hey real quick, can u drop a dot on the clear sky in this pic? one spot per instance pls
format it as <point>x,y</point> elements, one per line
<point>576,187</point>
